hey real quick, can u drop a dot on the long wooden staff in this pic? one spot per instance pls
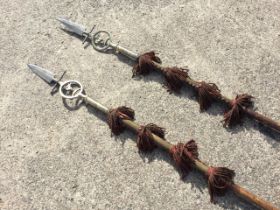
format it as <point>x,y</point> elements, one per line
<point>176,77</point>
<point>150,136</point>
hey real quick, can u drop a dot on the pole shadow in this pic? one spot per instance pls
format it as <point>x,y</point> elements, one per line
<point>196,179</point>
<point>217,108</point>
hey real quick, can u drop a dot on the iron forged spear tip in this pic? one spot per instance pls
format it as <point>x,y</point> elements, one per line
<point>44,74</point>
<point>72,27</point>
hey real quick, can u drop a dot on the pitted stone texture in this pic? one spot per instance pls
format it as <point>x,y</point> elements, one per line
<point>52,158</point>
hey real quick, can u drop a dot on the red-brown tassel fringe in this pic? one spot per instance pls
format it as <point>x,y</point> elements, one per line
<point>115,116</point>
<point>145,63</point>
<point>175,78</point>
<point>144,141</point>
<point>207,93</point>
<point>236,113</point>
<point>184,156</point>
<point>219,179</point>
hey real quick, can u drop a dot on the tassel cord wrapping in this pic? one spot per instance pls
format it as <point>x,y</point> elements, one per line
<point>227,101</point>
<point>144,137</point>
<point>199,165</point>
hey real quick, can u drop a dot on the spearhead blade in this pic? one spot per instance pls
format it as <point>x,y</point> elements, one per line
<point>42,73</point>
<point>72,27</point>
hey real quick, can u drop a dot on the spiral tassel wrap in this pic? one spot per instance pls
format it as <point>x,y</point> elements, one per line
<point>144,137</point>
<point>115,116</point>
<point>175,78</point>
<point>236,113</point>
<point>184,156</point>
<point>207,93</point>
<point>219,180</point>
<point>144,64</point>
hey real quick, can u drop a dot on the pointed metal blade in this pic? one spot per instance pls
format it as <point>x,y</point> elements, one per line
<point>72,27</point>
<point>43,73</point>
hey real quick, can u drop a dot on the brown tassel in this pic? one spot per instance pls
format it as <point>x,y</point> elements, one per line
<point>115,117</point>
<point>184,156</point>
<point>145,64</point>
<point>144,141</point>
<point>219,179</point>
<point>236,113</point>
<point>207,94</point>
<point>175,78</point>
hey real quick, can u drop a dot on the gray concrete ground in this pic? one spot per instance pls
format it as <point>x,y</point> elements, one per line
<point>53,158</point>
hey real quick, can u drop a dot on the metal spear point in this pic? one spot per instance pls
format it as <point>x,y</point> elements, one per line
<point>72,89</point>
<point>100,40</point>
<point>69,89</point>
<point>73,27</point>
<point>42,73</point>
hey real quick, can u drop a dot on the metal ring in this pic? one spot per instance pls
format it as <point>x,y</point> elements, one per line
<point>105,44</point>
<point>75,94</point>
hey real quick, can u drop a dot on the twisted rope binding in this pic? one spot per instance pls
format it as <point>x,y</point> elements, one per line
<point>115,116</point>
<point>145,64</point>
<point>207,93</point>
<point>219,180</point>
<point>184,156</point>
<point>236,113</point>
<point>144,137</point>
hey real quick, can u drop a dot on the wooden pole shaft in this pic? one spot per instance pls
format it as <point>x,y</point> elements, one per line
<point>263,119</point>
<point>250,113</point>
<point>243,193</point>
<point>203,168</point>
<point>124,51</point>
<point>199,165</point>
<point>96,105</point>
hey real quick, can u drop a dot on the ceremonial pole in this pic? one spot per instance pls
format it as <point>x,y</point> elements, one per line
<point>175,78</point>
<point>150,136</point>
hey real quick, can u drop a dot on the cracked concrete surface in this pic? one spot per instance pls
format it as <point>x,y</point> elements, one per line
<point>53,158</point>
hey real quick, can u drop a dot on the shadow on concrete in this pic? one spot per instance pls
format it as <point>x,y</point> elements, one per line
<point>217,108</point>
<point>271,136</point>
<point>87,43</point>
<point>196,179</point>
